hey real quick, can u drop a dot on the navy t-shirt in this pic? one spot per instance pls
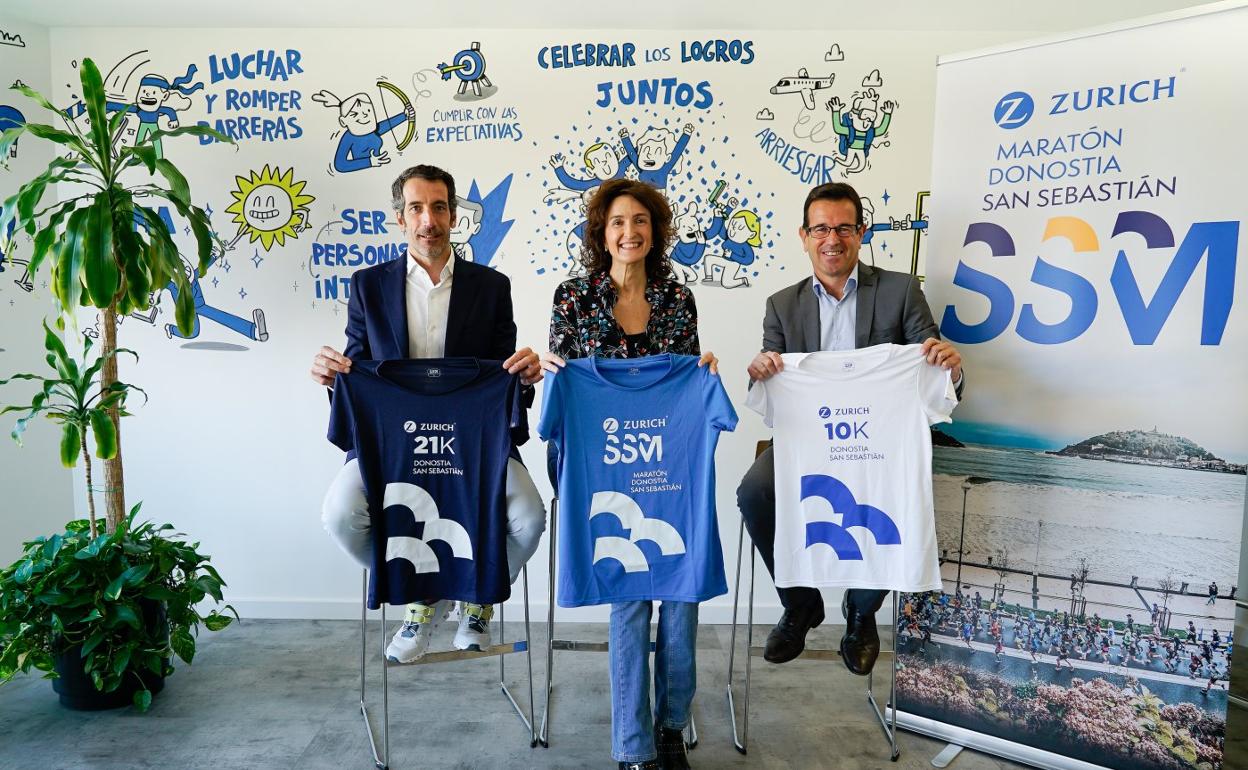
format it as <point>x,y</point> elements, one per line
<point>432,437</point>
<point>636,440</point>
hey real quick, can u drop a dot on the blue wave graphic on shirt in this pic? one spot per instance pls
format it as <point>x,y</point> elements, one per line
<point>853,514</point>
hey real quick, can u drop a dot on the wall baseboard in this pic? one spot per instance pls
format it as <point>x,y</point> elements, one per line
<point>338,609</point>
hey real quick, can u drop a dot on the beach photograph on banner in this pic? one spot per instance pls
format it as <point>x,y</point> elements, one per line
<point>1090,494</point>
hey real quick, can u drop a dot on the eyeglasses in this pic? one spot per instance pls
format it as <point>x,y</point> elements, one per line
<point>822,231</point>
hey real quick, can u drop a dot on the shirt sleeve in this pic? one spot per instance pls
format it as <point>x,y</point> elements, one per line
<point>341,415</point>
<point>563,326</point>
<point>756,398</point>
<point>718,406</point>
<point>937,393</point>
<point>550,426</point>
<point>685,332</point>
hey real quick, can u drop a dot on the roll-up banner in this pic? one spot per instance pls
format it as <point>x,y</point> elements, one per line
<point>1087,217</point>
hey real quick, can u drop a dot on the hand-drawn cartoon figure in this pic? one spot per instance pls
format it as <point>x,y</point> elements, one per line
<point>269,206</point>
<point>156,105</point>
<point>655,155</point>
<point>690,244</point>
<point>741,234</point>
<point>468,217</point>
<point>802,83</point>
<point>859,128</point>
<point>359,146</point>
<point>576,236</point>
<point>601,159</point>
<point>255,329</point>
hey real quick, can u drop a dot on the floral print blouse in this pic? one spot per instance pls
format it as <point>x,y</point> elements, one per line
<point>583,321</point>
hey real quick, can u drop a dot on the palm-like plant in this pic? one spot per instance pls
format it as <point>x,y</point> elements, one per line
<point>73,399</point>
<point>104,247</point>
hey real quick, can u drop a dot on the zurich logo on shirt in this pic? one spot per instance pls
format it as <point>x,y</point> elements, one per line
<point>424,509</point>
<point>634,521</point>
<point>853,514</point>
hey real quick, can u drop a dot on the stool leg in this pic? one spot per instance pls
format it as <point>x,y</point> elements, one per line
<point>528,656</point>
<point>732,643</point>
<point>749,644</point>
<point>543,734</point>
<point>385,694</point>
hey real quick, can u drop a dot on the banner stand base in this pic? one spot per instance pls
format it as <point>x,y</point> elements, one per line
<point>949,753</point>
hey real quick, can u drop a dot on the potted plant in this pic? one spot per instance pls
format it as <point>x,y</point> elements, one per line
<point>122,599</point>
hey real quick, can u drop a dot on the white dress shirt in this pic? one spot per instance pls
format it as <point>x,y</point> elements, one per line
<point>428,305</point>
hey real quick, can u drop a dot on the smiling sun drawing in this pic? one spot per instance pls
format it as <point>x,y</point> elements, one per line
<point>269,206</point>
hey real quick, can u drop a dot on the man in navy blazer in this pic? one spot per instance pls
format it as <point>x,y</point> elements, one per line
<point>844,305</point>
<point>430,305</point>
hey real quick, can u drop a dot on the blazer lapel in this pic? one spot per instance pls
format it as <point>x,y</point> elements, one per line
<point>866,305</point>
<point>808,314</point>
<point>457,313</point>
<point>395,292</point>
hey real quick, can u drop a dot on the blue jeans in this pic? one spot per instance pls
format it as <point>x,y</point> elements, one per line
<point>675,674</point>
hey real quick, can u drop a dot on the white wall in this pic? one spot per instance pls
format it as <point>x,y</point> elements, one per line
<point>36,494</point>
<point>231,446</point>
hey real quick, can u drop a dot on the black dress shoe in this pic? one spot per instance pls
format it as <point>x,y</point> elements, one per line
<point>649,764</point>
<point>860,645</point>
<point>787,640</point>
<point>671,746</point>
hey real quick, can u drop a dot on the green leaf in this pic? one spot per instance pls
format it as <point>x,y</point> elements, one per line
<point>71,444</point>
<point>24,571</point>
<point>143,699</point>
<point>67,267</point>
<point>7,139</point>
<point>105,434</point>
<point>52,546</point>
<point>177,183</point>
<point>90,616</point>
<point>195,130</point>
<point>114,588</point>
<point>124,614</point>
<point>135,574</point>
<point>101,276</point>
<point>93,96</point>
<point>160,593</point>
<point>183,644</point>
<point>121,660</point>
<point>215,622</point>
<point>92,642</point>
<point>47,237</point>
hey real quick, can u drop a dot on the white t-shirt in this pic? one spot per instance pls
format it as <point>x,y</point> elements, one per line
<point>853,465</point>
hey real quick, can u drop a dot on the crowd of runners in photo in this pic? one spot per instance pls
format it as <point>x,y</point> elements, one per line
<point>1063,636</point>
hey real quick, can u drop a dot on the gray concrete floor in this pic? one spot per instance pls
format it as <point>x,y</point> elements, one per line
<point>283,694</point>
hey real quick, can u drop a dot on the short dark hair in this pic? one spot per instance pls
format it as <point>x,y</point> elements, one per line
<point>427,173</point>
<point>594,254</point>
<point>832,191</point>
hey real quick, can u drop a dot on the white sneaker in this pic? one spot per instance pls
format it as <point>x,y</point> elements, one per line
<point>474,627</point>
<point>412,639</point>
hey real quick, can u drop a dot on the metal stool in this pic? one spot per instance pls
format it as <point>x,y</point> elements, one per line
<point>740,740</point>
<point>574,645</point>
<point>500,650</point>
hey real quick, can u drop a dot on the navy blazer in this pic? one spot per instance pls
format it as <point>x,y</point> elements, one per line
<point>479,321</point>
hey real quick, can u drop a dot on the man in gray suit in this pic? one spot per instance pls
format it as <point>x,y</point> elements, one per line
<point>844,305</point>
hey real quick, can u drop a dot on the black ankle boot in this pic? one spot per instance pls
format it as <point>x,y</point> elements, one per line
<point>671,746</point>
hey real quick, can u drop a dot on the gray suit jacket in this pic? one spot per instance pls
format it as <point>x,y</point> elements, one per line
<point>891,308</point>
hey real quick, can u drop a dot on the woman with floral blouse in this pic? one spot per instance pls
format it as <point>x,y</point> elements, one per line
<point>628,306</point>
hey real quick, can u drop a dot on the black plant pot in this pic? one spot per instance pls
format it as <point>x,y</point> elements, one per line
<point>78,692</point>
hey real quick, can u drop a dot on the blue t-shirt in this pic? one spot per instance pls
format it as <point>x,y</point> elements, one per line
<point>636,442</point>
<point>432,437</point>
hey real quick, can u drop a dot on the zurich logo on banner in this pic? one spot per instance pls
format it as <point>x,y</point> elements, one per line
<point>424,509</point>
<point>639,528</point>
<point>853,514</point>
<point>1014,109</point>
